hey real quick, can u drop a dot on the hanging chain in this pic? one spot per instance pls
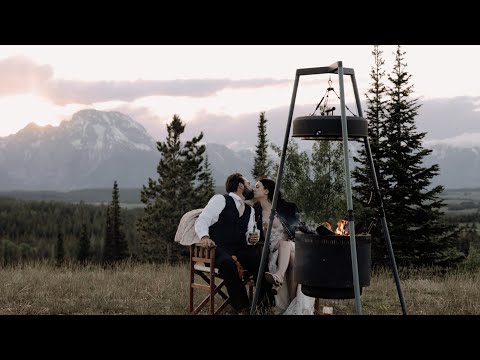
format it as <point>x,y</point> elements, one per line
<point>324,109</point>
<point>345,104</point>
<point>319,104</point>
<point>325,106</point>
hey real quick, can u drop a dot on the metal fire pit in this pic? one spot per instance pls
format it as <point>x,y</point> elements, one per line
<point>328,127</point>
<point>323,264</point>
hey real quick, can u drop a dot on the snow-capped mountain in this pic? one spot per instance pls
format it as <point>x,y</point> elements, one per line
<point>93,149</point>
<point>459,160</point>
<point>225,161</point>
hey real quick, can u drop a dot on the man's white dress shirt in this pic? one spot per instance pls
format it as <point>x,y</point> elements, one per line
<point>211,212</point>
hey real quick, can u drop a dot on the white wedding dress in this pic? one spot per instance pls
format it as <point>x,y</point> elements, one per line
<point>290,300</point>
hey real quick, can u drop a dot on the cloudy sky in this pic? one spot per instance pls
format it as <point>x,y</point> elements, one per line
<point>215,88</point>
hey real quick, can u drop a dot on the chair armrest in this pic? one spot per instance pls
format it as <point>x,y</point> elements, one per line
<point>200,254</point>
<point>198,245</point>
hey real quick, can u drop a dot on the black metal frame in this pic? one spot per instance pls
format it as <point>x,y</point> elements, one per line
<point>336,68</point>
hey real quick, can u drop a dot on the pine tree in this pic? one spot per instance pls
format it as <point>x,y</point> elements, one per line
<point>206,187</point>
<point>263,163</point>
<point>418,235</point>
<point>120,246</point>
<point>108,245</point>
<point>83,254</point>
<point>366,208</point>
<point>171,195</point>
<point>59,250</point>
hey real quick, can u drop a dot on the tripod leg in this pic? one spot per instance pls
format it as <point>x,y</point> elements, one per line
<point>386,234</point>
<point>265,251</point>
<point>348,188</point>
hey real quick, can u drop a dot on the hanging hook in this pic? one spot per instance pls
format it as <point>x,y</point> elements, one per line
<point>330,88</point>
<point>324,108</point>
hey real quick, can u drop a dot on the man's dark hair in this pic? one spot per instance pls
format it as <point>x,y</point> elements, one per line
<point>232,182</point>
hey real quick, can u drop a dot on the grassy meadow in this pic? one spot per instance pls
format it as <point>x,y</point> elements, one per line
<point>146,289</point>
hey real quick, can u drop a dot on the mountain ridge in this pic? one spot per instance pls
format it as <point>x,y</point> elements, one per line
<point>95,148</point>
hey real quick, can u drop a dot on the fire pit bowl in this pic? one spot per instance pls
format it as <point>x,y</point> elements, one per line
<point>323,264</point>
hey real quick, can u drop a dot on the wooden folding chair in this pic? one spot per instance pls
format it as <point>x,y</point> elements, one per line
<point>202,263</point>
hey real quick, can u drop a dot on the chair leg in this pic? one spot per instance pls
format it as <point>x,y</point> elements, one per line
<point>192,279</point>
<point>212,294</point>
<point>199,255</point>
<point>212,281</point>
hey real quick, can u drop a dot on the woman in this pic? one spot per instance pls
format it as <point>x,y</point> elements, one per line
<point>288,296</point>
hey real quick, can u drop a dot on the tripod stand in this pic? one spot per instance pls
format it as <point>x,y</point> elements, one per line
<point>333,128</point>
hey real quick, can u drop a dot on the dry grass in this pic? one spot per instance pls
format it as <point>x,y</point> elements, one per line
<point>144,289</point>
<point>426,292</point>
<point>128,289</point>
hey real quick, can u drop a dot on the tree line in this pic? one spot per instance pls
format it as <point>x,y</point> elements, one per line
<point>32,230</point>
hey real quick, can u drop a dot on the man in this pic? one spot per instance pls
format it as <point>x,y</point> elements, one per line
<point>228,223</point>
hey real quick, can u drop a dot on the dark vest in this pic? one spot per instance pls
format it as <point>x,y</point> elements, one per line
<point>229,231</point>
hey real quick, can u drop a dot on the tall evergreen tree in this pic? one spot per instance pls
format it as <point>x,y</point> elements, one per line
<point>83,245</point>
<point>120,245</point>
<point>376,114</point>
<point>413,207</point>
<point>59,250</point>
<point>108,245</point>
<point>171,195</point>
<point>262,163</point>
<point>206,186</point>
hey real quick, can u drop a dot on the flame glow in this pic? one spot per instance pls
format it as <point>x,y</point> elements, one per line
<point>341,229</point>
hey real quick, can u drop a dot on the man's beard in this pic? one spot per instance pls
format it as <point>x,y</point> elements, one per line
<point>248,194</point>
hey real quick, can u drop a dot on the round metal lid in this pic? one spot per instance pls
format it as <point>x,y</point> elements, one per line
<point>328,127</point>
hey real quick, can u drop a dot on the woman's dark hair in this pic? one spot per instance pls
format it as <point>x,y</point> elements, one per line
<point>285,207</point>
<point>270,186</point>
<point>232,182</point>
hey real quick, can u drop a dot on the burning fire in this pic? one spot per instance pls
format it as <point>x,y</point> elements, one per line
<point>341,230</point>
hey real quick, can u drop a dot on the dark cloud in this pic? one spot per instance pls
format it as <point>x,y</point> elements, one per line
<point>20,75</point>
<point>67,91</point>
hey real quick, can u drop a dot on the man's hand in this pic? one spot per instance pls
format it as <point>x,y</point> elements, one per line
<point>253,238</point>
<point>206,242</point>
